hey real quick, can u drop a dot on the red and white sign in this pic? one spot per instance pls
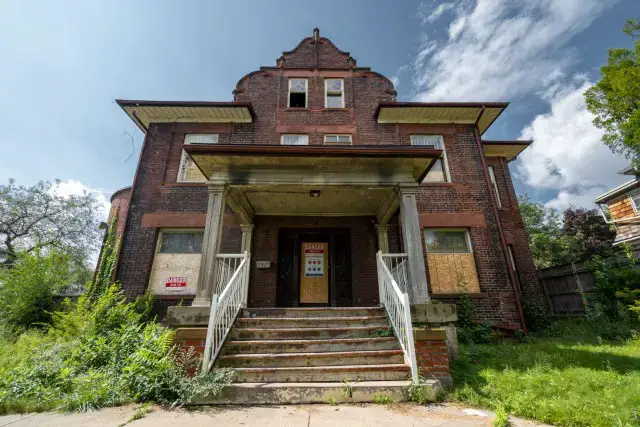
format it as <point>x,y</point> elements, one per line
<point>314,259</point>
<point>175,283</point>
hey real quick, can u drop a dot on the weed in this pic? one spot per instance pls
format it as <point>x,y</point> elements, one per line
<point>501,419</point>
<point>382,399</point>
<point>333,401</point>
<point>420,393</point>
<point>140,413</point>
<point>383,333</point>
<point>347,388</point>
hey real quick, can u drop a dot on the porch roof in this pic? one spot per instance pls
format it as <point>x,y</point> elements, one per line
<point>312,164</point>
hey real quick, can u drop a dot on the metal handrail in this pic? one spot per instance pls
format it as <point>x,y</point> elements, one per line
<point>225,305</point>
<point>398,308</point>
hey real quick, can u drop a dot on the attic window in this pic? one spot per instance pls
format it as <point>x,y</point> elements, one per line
<point>334,93</point>
<point>297,93</point>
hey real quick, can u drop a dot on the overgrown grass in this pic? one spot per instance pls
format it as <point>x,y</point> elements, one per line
<point>572,379</point>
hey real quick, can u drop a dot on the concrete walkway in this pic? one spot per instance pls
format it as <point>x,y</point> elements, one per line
<point>397,415</point>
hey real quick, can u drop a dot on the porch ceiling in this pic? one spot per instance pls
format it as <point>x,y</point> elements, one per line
<point>295,200</point>
<point>312,165</point>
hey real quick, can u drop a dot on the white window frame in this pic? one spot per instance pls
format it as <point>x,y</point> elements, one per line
<point>467,236</point>
<point>306,92</point>
<point>492,177</point>
<point>194,138</point>
<point>636,208</point>
<point>326,93</point>
<point>284,135</point>
<point>338,135</point>
<point>164,231</point>
<point>438,144</point>
<point>606,213</point>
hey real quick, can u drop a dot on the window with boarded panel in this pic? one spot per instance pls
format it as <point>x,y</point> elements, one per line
<point>622,208</point>
<point>452,268</point>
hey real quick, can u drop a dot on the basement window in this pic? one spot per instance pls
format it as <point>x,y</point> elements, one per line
<point>337,139</point>
<point>334,93</point>
<point>294,139</point>
<point>440,170</point>
<point>298,93</point>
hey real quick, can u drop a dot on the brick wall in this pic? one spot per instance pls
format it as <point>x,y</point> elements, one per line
<point>155,189</point>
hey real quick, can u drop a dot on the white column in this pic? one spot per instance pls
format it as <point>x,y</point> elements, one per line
<point>412,236</point>
<point>247,232</point>
<point>383,238</point>
<point>210,244</point>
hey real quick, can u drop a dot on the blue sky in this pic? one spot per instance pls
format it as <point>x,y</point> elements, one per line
<point>64,63</point>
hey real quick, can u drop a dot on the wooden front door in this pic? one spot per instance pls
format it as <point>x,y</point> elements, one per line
<point>314,267</point>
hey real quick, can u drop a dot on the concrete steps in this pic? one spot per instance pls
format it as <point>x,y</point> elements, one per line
<point>312,355</point>
<point>337,358</point>
<point>301,392</point>
<point>316,345</point>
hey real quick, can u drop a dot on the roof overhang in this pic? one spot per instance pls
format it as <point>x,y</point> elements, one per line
<point>617,191</point>
<point>507,149</point>
<point>484,114</point>
<point>143,113</point>
<point>327,165</point>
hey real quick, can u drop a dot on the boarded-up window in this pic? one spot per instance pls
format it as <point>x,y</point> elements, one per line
<point>188,171</point>
<point>622,208</point>
<point>450,260</point>
<point>176,264</point>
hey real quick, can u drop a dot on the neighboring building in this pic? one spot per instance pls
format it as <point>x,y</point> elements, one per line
<point>621,207</point>
<point>317,148</point>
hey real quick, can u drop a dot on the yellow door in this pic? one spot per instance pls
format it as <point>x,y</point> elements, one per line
<point>314,280</point>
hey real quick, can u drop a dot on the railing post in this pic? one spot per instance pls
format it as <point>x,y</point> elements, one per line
<point>380,284</point>
<point>411,348</point>
<point>206,357</point>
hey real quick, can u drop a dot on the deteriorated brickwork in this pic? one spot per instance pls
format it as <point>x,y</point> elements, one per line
<point>155,189</point>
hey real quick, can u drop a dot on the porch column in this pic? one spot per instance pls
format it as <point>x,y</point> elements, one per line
<point>383,237</point>
<point>247,232</point>
<point>210,244</point>
<point>412,237</point>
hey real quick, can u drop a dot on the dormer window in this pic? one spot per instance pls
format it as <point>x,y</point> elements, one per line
<point>298,93</point>
<point>334,93</point>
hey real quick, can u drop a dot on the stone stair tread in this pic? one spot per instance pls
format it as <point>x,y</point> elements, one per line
<point>315,308</point>
<point>314,354</point>
<point>307,319</point>
<point>311,341</point>
<point>389,383</point>
<point>345,368</point>
<point>344,328</point>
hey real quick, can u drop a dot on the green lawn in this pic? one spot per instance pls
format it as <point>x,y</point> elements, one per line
<point>554,381</point>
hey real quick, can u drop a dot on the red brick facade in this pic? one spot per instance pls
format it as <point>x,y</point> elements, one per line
<point>155,191</point>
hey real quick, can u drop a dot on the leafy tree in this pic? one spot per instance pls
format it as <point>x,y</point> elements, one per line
<point>589,226</point>
<point>548,243</point>
<point>36,218</point>
<point>27,290</point>
<point>615,99</point>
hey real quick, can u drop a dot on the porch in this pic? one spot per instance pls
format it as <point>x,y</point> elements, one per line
<point>315,272</point>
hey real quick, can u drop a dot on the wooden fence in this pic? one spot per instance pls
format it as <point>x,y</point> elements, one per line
<point>566,288</point>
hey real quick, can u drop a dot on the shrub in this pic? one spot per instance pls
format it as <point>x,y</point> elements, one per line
<point>617,285</point>
<point>535,314</point>
<point>28,288</point>
<point>469,331</point>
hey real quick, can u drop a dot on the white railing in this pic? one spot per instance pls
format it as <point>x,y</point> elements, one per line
<point>396,302</point>
<point>230,295</point>
<point>397,265</point>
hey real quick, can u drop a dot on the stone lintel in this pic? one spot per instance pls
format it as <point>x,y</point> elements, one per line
<point>188,316</point>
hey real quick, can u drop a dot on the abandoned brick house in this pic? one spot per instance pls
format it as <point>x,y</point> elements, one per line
<point>317,209</point>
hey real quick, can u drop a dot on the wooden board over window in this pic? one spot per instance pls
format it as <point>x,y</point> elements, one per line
<point>450,261</point>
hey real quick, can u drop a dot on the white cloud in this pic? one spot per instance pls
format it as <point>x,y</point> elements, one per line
<point>500,49</point>
<point>436,13</point>
<point>71,187</point>
<point>568,155</point>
